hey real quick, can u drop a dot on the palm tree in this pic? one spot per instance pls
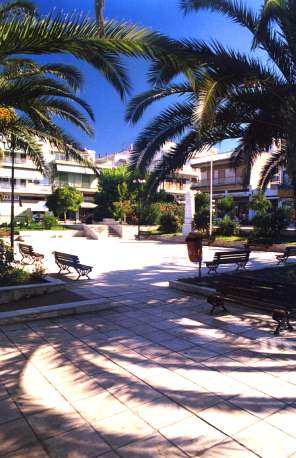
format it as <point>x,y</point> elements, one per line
<point>23,32</point>
<point>232,95</point>
<point>46,98</point>
<point>99,9</point>
<point>30,98</point>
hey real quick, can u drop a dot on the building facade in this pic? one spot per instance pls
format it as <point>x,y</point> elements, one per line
<point>32,188</point>
<point>227,179</point>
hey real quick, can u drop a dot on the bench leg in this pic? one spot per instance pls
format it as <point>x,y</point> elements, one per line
<point>283,322</point>
<point>282,261</point>
<point>289,326</point>
<point>216,302</point>
<point>212,269</point>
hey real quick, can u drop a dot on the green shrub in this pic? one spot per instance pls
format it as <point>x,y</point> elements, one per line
<point>269,225</point>
<point>228,227</point>
<point>6,257</point>
<point>49,221</point>
<point>169,222</point>
<point>150,214</point>
<point>14,276</point>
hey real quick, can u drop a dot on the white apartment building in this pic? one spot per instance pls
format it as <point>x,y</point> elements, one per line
<point>228,180</point>
<point>32,188</point>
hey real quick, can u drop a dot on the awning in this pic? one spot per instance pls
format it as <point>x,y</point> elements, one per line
<point>88,205</point>
<point>74,169</point>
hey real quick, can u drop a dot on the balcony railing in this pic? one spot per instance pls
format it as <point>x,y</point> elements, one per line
<point>17,160</point>
<point>220,181</point>
<point>27,187</point>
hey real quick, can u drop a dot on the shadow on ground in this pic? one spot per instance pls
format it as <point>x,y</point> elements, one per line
<point>155,376</point>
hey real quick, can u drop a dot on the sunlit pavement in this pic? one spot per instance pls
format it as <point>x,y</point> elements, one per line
<point>156,376</point>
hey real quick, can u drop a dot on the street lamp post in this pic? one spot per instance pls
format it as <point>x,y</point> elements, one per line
<point>11,147</point>
<point>139,181</point>
<point>211,196</point>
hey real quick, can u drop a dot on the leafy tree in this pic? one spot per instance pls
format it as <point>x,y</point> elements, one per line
<point>225,205</point>
<point>260,204</point>
<point>63,200</point>
<point>202,211</point>
<point>226,94</point>
<point>111,182</point>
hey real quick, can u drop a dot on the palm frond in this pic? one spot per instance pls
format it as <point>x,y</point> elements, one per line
<point>237,11</point>
<point>17,7</point>
<point>141,102</point>
<point>277,159</point>
<point>170,124</point>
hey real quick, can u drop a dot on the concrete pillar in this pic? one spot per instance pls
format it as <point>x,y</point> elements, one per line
<point>189,212</point>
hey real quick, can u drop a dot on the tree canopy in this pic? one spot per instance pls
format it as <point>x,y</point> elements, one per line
<point>63,200</point>
<point>225,94</point>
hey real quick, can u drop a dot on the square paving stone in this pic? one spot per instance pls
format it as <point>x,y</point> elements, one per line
<point>267,441</point>
<point>50,423</point>
<point>161,412</point>
<point>228,418</point>
<point>35,451</point>
<point>284,420</point>
<point>155,446</point>
<point>122,429</point>
<point>227,449</point>
<point>8,411</point>
<point>82,442</point>
<point>257,403</point>
<point>192,435</point>
<point>100,406</point>
<point>15,435</point>
<point>135,394</point>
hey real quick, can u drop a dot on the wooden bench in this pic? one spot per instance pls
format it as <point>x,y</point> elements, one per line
<point>27,252</point>
<point>277,299</point>
<point>65,261</point>
<point>239,257</point>
<point>289,252</point>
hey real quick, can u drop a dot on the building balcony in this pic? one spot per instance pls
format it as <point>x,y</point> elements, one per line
<point>225,181</point>
<point>27,188</point>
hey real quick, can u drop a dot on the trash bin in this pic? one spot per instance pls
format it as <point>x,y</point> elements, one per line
<point>194,247</point>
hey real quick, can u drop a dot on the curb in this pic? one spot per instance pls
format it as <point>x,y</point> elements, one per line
<point>186,287</point>
<point>54,311</point>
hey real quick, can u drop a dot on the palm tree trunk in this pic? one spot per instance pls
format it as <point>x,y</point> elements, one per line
<point>12,195</point>
<point>99,7</point>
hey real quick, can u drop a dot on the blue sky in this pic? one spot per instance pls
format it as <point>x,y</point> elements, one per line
<point>112,133</point>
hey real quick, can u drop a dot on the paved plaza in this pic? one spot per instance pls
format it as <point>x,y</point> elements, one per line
<point>155,376</point>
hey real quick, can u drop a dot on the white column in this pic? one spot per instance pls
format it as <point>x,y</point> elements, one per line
<point>189,212</point>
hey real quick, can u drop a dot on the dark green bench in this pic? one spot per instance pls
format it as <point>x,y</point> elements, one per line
<point>275,298</point>
<point>289,252</point>
<point>27,252</point>
<point>238,257</point>
<point>64,261</point>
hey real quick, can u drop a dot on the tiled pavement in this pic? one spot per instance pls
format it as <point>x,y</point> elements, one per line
<point>154,377</point>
